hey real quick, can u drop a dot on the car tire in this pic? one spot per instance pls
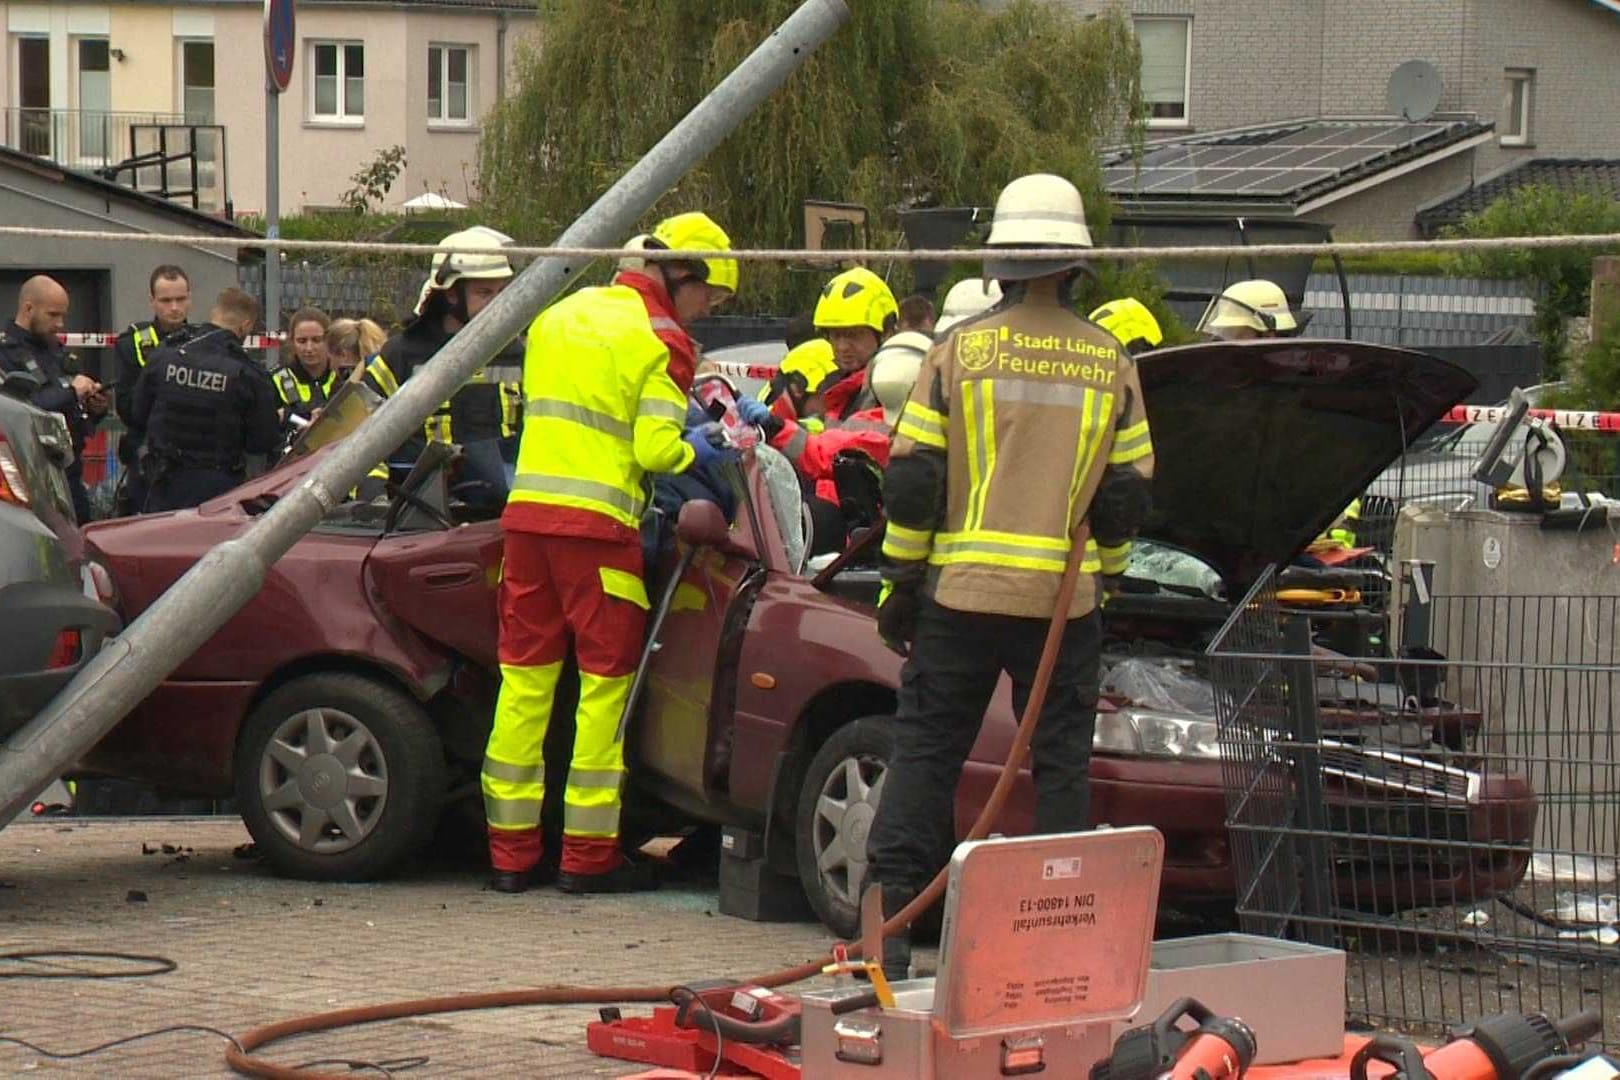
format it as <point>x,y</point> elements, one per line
<point>837,802</point>
<point>363,803</point>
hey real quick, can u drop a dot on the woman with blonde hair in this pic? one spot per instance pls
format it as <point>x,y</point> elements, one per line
<point>351,342</point>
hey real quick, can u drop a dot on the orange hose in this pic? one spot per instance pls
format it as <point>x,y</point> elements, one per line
<point>245,1063</point>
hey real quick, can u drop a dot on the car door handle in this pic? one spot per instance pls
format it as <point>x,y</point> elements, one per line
<point>445,577</point>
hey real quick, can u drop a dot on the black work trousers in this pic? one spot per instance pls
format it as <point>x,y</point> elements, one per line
<point>957,657</point>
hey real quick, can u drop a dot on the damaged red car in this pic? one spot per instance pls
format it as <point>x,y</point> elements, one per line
<point>346,707</point>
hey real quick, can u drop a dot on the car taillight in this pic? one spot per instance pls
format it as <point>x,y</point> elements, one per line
<point>13,489</point>
<point>66,651</point>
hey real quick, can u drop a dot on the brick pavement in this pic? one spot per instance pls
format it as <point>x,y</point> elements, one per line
<point>253,949</point>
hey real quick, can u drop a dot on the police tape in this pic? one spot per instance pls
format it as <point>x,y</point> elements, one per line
<point>1571,419</point>
<point>88,340</point>
<point>735,369</point>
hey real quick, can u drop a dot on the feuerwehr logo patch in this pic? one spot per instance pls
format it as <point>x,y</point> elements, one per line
<point>977,349</point>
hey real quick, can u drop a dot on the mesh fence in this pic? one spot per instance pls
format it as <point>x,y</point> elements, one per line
<point>1448,813</point>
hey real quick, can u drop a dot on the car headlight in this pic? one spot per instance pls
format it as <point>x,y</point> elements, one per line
<point>1146,733</point>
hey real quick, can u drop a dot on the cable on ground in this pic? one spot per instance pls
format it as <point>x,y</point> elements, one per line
<point>154,965</point>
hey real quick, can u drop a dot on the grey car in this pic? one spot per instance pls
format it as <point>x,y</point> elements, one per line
<point>52,618</point>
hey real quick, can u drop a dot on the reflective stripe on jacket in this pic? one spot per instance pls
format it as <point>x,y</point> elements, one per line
<point>601,410</point>
<point>294,390</point>
<point>1015,420</point>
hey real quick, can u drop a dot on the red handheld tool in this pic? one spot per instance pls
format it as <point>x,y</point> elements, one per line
<point>1219,1048</point>
<point>1505,1047</point>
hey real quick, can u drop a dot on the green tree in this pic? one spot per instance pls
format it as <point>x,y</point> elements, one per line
<point>1564,274</point>
<point>914,103</point>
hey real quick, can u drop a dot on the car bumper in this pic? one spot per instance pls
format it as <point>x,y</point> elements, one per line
<point>1388,854</point>
<point>32,616</point>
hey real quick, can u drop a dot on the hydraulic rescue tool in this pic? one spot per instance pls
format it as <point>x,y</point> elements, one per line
<point>1511,1046</point>
<point>1219,1048</point>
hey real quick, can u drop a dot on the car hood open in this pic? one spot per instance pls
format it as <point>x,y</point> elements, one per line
<point>1260,445</point>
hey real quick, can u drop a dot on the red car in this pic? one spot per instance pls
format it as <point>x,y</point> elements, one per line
<point>346,707</point>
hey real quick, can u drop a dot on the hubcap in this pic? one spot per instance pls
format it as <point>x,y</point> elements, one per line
<point>323,780</point>
<point>844,811</point>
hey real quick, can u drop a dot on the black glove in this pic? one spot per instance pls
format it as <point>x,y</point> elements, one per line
<point>898,605</point>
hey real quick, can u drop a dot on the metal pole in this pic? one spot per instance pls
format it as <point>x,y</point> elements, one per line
<point>272,206</point>
<point>214,589</point>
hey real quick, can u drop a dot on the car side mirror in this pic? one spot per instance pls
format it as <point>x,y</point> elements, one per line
<point>701,524</point>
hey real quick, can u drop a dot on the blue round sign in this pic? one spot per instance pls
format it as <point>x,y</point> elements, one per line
<point>280,42</point>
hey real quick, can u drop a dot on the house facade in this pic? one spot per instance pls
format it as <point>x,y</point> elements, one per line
<point>90,84</point>
<point>1542,75</point>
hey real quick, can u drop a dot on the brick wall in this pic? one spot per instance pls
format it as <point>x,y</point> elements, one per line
<point>1385,212</point>
<point>1259,61</point>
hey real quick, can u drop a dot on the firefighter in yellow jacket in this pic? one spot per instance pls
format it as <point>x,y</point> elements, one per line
<point>605,381</point>
<point>1025,428</point>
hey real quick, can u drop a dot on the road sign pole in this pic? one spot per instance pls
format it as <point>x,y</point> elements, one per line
<point>280,46</point>
<point>272,206</point>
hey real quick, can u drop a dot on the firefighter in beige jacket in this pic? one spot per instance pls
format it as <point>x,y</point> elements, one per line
<point>1026,429</point>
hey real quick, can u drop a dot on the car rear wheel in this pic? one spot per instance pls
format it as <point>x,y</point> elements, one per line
<point>339,777</point>
<point>837,802</point>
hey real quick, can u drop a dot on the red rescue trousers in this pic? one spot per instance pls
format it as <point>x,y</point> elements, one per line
<point>557,589</point>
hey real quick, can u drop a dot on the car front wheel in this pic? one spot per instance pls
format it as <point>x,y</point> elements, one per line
<point>339,777</point>
<point>837,803</point>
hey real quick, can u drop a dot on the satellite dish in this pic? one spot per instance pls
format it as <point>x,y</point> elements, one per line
<point>1414,91</point>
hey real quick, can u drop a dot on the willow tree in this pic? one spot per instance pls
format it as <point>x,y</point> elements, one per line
<point>914,103</point>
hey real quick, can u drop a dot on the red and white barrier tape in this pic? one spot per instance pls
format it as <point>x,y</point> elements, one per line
<point>737,370</point>
<point>1564,418</point>
<point>105,341</point>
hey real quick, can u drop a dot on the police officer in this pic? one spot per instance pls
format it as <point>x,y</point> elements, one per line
<point>169,292</point>
<point>30,345</point>
<point>203,405</point>
<point>1025,422</point>
<point>307,379</point>
<point>485,416</point>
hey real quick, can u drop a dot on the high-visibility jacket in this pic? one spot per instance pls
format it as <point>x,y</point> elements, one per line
<point>487,406</point>
<point>812,453</point>
<point>602,408</point>
<point>300,394</point>
<point>1020,419</point>
<point>842,395</point>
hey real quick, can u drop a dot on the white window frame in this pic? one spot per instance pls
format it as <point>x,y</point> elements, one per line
<point>341,118</point>
<point>1185,120</point>
<point>181,72</point>
<point>443,119</point>
<point>1519,127</point>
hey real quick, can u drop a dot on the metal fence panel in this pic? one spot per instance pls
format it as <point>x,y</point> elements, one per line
<point>1447,810</point>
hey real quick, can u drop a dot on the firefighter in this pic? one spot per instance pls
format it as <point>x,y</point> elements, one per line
<point>169,292</point>
<point>30,345</point>
<point>1025,422</point>
<point>1129,320</point>
<point>307,379</point>
<point>1248,310</point>
<point>856,313</point>
<point>867,431</point>
<point>606,376</point>
<point>485,416</point>
<point>203,405</point>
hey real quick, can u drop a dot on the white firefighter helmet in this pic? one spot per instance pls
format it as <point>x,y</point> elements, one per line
<point>893,371</point>
<point>1257,305</point>
<point>487,262</point>
<point>1036,211</point>
<point>967,298</point>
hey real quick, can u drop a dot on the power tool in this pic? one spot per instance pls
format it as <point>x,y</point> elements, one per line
<point>1219,1048</point>
<point>1505,1047</point>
